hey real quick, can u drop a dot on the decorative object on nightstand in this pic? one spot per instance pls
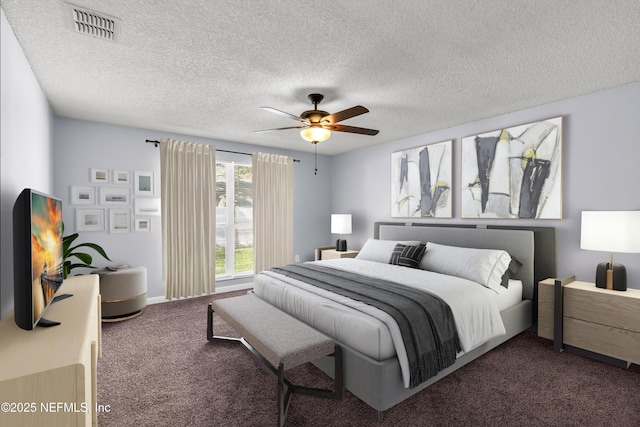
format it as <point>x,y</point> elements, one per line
<point>341,224</point>
<point>611,231</point>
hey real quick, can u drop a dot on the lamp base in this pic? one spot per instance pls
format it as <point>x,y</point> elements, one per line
<point>341,245</point>
<point>617,279</point>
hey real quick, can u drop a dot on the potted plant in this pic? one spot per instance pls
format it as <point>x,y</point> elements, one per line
<point>69,251</point>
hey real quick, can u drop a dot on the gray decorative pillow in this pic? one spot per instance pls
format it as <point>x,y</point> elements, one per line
<point>380,250</point>
<point>513,268</point>
<point>407,255</point>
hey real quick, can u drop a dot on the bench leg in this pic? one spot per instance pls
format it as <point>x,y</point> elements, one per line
<point>337,391</point>
<point>284,387</point>
<point>284,394</point>
<point>210,322</point>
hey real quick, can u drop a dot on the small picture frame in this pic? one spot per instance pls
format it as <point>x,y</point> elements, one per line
<point>115,196</point>
<point>119,221</point>
<point>99,175</point>
<point>143,224</point>
<point>150,206</point>
<point>83,195</point>
<point>89,220</point>
<point>121,177</point>
<point>144,183</point>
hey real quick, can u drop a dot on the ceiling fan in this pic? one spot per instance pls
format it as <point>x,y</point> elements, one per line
<point>317,125</point>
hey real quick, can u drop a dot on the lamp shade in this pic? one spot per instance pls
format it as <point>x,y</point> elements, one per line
<point>610,231</point>
<point>341,223</point>
<point>315,133</point>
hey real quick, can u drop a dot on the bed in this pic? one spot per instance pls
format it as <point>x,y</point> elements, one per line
<point>375,367</point>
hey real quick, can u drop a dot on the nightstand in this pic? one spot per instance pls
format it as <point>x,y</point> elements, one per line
<point>333,254</point>
<point>600,321</point>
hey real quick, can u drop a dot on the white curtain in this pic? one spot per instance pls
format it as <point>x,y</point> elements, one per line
<point>272,210</point>
<point>188,177</point>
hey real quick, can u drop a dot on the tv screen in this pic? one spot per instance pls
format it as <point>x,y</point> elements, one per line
<point>37,241</point>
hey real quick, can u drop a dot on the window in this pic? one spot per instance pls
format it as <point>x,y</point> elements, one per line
<point>234,219</point>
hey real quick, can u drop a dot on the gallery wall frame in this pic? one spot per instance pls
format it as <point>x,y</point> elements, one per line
<point>421,180</point>
<point>83,195</point>
<point>142,224</point>
<point>513,173</point>
<point>143,183</point>
<point>119,221</point>
<point>115,195</point>
<point>89,219</point>
<point>121,177</point>
<point>147,206</point>
<point>99,175</point>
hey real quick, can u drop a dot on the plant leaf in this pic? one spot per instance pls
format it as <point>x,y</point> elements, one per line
<point>93,246</point>
<point>72,266</point>
<point>67,241</point>
<point>86,258</point>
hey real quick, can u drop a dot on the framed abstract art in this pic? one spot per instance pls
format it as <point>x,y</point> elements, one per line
<point>514,172</point>
<point>421,181</point>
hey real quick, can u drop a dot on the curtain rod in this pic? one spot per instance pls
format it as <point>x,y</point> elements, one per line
<point>155,143</point>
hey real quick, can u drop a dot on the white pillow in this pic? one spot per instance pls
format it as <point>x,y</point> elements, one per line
<point>381,250</point>
<point>485,266</point>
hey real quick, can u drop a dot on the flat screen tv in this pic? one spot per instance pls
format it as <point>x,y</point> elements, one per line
<point>37,256</point>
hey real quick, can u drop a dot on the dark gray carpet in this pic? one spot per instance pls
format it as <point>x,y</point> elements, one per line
<point>159,370</point>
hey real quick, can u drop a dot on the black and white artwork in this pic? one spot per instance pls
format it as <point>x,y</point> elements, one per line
<point>514,172</point>
<point>121,177</point>
<point>143,183</point>
<point>115,195</point>
<point>421,181</point>
<point>89,220</point>
<point>83,195</point>
<point>119,221</point>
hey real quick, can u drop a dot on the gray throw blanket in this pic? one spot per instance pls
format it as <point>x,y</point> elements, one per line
<point>426,323</point>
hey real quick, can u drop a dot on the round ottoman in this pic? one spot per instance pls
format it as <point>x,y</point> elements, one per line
<point>123,291</point>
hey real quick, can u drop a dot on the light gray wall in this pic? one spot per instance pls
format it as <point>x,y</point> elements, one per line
<point>25,146</point>
<point>82,145</point>
<point>601,154</point>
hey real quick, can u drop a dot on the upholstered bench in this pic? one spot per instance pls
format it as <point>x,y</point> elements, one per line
<point>278,341</point>
<point>123,291</point>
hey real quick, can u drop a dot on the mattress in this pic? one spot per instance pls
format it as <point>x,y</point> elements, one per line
<point>508,297</point>
<point>371,331</point>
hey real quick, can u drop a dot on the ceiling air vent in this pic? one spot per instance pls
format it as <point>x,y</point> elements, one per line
<point>92,23</point>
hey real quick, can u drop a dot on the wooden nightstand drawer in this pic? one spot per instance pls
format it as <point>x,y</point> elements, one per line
<point>613,308</point>
<point>615,342</point>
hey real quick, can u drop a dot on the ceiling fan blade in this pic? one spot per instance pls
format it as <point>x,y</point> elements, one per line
<point>345,114</point>
<point>285,114</point>
<point>352,129</point>
<point>271,130</point>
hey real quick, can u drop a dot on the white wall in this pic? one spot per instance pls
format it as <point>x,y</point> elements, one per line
<point>25,146</point>
<point>601,154</point>
<point>82,145</point>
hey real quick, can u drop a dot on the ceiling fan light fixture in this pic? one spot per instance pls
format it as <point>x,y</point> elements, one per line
<point>315,133</point>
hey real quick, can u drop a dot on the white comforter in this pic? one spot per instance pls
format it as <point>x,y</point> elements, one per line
<point>355,324</point>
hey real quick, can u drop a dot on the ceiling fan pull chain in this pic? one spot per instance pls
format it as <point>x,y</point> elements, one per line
<point>315,158</point>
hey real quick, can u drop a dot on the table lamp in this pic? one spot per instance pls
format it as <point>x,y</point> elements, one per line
<point>611,231</point>
<point>341,224</point>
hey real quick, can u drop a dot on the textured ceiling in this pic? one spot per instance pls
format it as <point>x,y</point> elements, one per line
<point>205,67</point>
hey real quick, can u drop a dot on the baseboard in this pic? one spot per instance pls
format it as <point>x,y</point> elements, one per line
<point>219,290</point>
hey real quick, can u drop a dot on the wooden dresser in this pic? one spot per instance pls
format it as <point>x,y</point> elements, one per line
<point>48,375</point>
<point>601,321</point>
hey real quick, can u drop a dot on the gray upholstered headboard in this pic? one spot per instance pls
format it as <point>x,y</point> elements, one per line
<point>534,247</point>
